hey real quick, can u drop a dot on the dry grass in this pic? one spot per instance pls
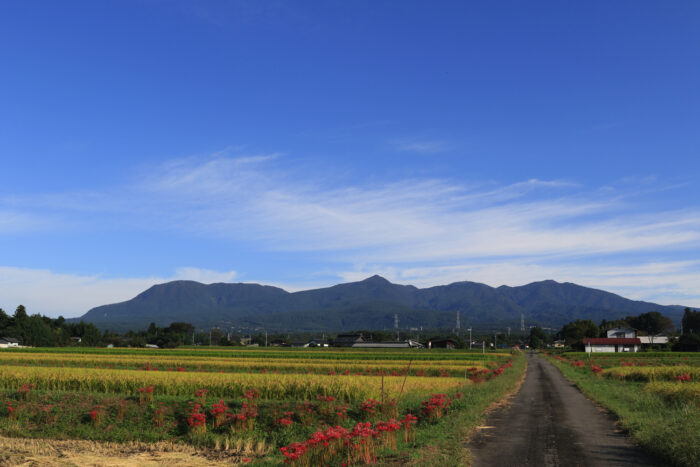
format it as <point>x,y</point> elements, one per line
<point>45,452</point>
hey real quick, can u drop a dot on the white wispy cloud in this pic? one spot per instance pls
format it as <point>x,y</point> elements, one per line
<point>47,292</point>
<point>414,220</point>
<point>14,220</point>
<point>515,233</point>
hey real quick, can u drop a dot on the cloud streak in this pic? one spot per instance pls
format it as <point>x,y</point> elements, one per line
<point>416,220</point>
<point>425,231</point>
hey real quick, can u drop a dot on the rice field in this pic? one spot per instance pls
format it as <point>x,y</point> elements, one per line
<point>272,364</point>
<point>279,400</point>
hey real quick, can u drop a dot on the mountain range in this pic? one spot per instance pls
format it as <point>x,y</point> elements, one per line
<point>369,304</point>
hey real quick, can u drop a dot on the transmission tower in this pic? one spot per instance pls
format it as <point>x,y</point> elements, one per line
<point>396,325</point>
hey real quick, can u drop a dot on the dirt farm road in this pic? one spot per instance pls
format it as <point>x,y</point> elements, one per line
<point>551,423</point>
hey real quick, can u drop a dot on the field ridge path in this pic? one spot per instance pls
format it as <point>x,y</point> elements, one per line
<point>549,422</point>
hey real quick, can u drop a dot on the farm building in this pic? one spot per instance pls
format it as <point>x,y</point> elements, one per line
<point>318,343</point>
<point>347,340</point>
<point>611,344</point>
<point>628,333</point>
<point>625,333</point>
<point>409,344</point>
<point>441,344</point>
<point>653,340</point>
<point>6,342</point>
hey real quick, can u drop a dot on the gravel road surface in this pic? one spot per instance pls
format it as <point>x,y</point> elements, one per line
<point>551,423</point>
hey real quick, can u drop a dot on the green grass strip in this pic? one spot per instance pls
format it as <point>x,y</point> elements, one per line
<point>666,428</point>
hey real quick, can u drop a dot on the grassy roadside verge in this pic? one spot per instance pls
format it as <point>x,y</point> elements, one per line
<point>669,430</point>
<point>443,443</point>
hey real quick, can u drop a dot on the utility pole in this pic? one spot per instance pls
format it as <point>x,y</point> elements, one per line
<point>209,337</point>
<point>265,337</point>
<point>396,325</point>
<point>458,326</point>
<point>470,337</point>
<point>495,343</point>
<point>522,322</point>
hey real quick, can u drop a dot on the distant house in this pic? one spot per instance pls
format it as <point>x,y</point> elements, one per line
<point>76,340</point>
<point>151,346</point>
<point>559,344</point>
<point>628,333</point>
<point>625,333</point>
<point>7,342</point>
<point>653,340</point>
<point>347,340</point>
<point>409,344</point>
<point>440,343</point>
<point>278,343</point>
<point>611,344</point>
<point>318,343</point>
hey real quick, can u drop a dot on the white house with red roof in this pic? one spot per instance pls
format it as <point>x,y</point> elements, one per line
<point>612,344</point>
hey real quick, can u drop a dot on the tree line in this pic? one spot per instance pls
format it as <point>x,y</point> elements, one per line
<point>42,331</point>
<point>650,324</point>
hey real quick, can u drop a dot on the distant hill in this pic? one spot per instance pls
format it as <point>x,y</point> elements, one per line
<point>367,304</point>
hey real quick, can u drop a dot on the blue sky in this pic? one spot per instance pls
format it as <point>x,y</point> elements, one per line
<point>303,144</point>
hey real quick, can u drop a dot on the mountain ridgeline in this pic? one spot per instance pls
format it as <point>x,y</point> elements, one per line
<point>368,304</point>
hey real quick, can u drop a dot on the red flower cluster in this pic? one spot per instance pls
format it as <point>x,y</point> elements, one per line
<point>596,369</point>
<point>201,395</point>
<point>220,413</point>
<point>96,415</point>
<point>479,376</point>
<point>25,390</point>
<point>359,444</point>
<point>435,406</point>
<point>408,421</point>
<point>577,363</point>
<point>369,407</point>
<point>389,429</point>
<point>285,422</point>
<point>251,394</point>
<point>197,420</point>
<point>683,377</point>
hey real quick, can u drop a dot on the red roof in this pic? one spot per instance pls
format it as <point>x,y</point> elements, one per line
<point>611,341</point>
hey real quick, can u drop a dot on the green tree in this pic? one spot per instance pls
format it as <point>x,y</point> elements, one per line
<point>691,322</point>
<point>5,320</point>
<point>653,323</point>
<point>576,330</point>
<point>36,332</point>
<point>20,314</point>
<point>91,336</point>
<point>538,338</point>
